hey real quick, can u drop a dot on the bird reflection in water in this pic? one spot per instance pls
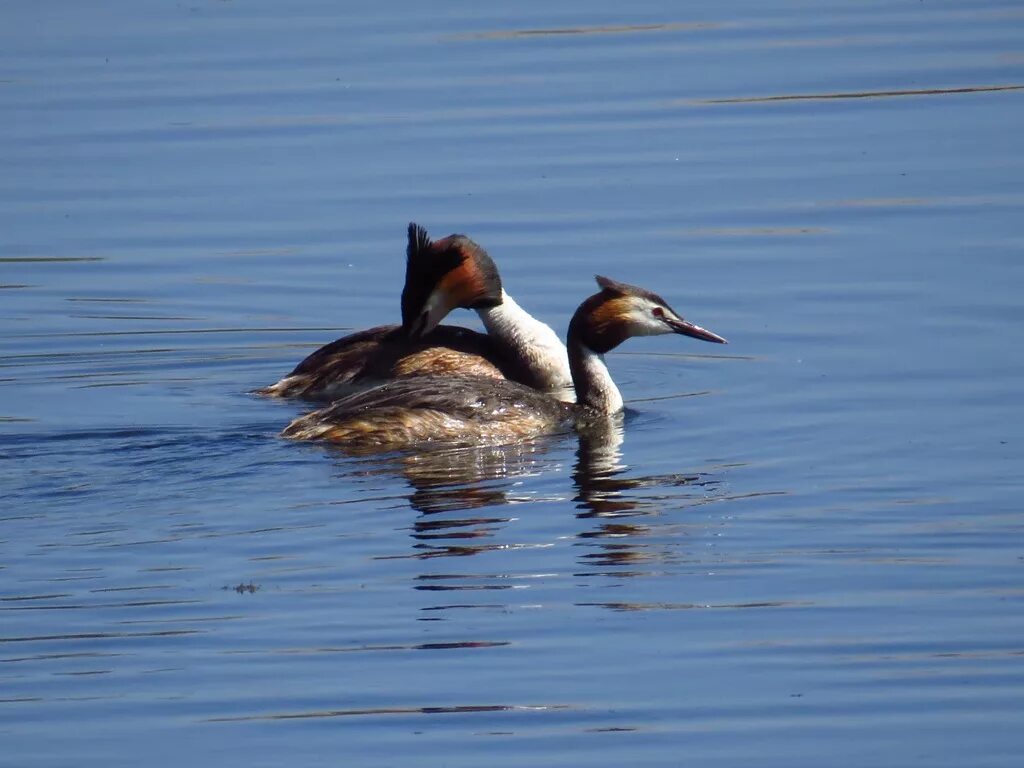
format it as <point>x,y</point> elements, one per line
<point>607,495</point>
<point>446,480</point>
<point>456,479</point>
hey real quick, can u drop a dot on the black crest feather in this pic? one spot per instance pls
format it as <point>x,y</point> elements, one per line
<point>419,241</point>
<point>625,289</point>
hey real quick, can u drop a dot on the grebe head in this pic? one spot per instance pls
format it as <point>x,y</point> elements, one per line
<point>621,311</point>
<point>442,275</point>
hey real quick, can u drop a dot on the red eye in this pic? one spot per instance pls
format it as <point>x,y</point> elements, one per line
<point>658,312</point>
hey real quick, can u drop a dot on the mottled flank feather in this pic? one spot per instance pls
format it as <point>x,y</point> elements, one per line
<point>452,409</point>
<point>441,361</point>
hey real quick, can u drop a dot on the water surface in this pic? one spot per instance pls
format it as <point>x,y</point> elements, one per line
<point>802,548</point>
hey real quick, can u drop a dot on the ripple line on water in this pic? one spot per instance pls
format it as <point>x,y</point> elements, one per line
<point>99,636</point>
<point>602,29</point>
<point>626,606</point>
<point>857,94</point>
<point>458,709</point>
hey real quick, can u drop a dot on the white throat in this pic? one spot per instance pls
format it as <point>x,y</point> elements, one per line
<point>594,385</point>
<point>528,341</point>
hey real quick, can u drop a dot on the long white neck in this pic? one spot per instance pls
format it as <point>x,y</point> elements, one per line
<point>529,341</point>
<point>594,386</point>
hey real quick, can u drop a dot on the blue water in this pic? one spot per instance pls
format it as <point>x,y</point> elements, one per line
<point>804,548</point>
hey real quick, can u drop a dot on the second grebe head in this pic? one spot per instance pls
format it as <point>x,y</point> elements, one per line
<point>442,275</point>
<point>621,311</point>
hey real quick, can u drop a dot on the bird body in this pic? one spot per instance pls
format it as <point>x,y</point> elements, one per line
<point>440,276</point>
<point>478,409</point>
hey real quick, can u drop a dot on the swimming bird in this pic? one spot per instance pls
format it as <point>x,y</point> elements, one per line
<point>475,409</point>
<point>440,276</point>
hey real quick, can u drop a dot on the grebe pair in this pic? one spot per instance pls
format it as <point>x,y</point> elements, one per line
<point>439,277</point>
<point>475,409</point>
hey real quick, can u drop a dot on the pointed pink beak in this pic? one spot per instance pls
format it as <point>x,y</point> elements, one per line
<point>687,328</point>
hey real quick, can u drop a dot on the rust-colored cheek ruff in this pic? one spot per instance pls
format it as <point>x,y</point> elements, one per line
<point>608,313</point>
<point>463,285</point>
<point>605,329</point>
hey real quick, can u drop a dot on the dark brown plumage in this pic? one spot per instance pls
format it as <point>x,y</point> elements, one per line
<point>386,352</point>
<point>440,276</point>
<point>453,409</point>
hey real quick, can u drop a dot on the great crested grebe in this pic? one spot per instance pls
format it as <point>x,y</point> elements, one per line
<point>475,409</point>
<point>439,277</point>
